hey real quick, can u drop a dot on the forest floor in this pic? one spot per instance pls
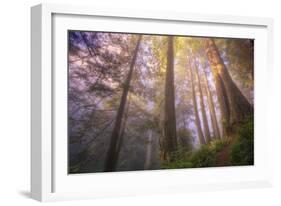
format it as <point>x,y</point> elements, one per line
<point>223,158</point>
<point>236,150</point>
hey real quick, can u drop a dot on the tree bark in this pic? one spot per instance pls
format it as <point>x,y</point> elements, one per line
<point>202,105</point>
<point>197,119</point>
<point>240,108</point>
<point>221,93</point>
<point>170,135</point>
<point>111,159</point>
<point>212,108</point>
<point>123,130</point>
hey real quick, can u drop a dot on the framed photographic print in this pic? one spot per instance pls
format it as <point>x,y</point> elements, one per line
<point>135,102</point>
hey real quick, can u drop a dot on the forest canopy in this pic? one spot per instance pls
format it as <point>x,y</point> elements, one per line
<point>143,102</point>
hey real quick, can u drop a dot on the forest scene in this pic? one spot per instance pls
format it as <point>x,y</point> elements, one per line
<point>149,102</point>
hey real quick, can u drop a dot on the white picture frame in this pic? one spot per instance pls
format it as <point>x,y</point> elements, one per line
<point>49,178</point>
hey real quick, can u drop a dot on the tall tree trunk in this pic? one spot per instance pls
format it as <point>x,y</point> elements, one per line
<point>240,108</point>
<point>197,119</point>
<point>123,130</point>
<point>221,93</point>
<point>111,159</point>
<point>148,153</point>
<point>212,108</point>
<point>202,105</point>
<point>170,135</point>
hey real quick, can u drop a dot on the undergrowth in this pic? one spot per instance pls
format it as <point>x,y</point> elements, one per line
<point>205,156</point>
<point>240,152</point>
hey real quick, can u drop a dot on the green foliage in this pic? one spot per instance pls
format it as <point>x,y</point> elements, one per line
<point>242,151</point>
<point>218,145</point>
<point>159,51</point>
<point>206,156</point>
<point>179,43</point>
<point>240,58</point>
<point>180,159</point>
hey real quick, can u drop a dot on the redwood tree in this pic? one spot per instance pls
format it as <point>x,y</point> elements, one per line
<point>202,105</point>
<point>214,120</point>
<point>238,106</point>
<point>195,108</point>
<point>170,134</point>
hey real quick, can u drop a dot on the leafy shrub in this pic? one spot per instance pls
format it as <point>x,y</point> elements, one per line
<point>180,159</point>
<point>218,145</point>
<point>242,150</point>
<point>206,156</point>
